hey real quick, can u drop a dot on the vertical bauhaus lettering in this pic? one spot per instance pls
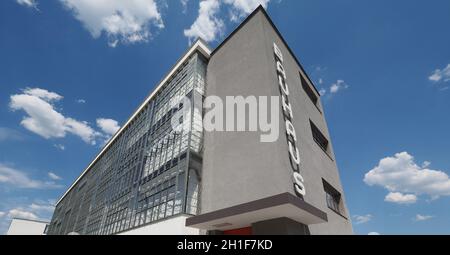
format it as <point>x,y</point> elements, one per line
<point>294,154</point>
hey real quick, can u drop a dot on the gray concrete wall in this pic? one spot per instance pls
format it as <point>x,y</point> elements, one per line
<point>279,226</point>
<point>237,167</point>
<point>316,163</point>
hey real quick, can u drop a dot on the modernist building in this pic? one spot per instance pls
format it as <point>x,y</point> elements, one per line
<point>152,178</point>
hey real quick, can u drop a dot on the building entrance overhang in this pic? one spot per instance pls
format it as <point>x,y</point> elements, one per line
<point>244,215</point>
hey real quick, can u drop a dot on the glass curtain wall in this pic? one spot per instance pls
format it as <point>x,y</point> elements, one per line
<point>150,172</point>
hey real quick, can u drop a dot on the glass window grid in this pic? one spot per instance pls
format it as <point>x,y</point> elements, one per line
<point>109,205</point>
<point>332,197</point>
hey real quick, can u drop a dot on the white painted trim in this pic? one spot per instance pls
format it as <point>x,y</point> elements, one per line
<point>198,45</point>
<point>172,226</point>
<point>26,227</point>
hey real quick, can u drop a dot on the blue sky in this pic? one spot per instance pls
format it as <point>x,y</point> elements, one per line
<point>72,72</point>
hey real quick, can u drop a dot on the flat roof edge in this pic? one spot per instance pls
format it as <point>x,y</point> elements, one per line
<point>39,221</point>
<point>260,8</point>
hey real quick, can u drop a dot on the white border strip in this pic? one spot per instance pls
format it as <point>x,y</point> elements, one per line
<point>198,45</point>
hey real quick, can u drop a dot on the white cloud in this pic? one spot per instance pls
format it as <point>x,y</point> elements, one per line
<point>440,74</point>
<point>426,164</point>
<point>322,92</point>
<point>53,176</point>
<point>52,201</point>
<point>43,94</point>
<point>373,234</point>
<point>420,217</point>
<point>320,69</point>
<point>81,129</point>
<point>184,3</point>
<point>9,134</point>
<point>20,179</point>
<point>37,210</point>
<point>20,213</point>
<point>60,147</point>
<point>43,119</point>
<point>436,76</point>
<point>331,89</point>
<point>241,8</point>
<point>334,88</point>
<point>401,174</point>
<point>41,208</point>
<point>28,3</point>
<point>126,21</point>
<point>399,198</point>
<point>207,26</point>
<point>30,212</point>
<point>360,219</point>
<point>108,126</point>
<point>81,101</point>
<point>339,85</point>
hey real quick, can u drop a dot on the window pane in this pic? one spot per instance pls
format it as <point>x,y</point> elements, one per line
<point>149,215</point>
<point>318,137</point>
<point>308,90</point>
<point>169,209</point>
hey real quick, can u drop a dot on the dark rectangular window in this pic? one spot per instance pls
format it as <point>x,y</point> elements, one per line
<point>314,98</point>
<point>318,137</point>
<point>333,197</point>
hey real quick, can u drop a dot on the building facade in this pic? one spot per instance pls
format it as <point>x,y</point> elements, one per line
<point>20,226</point>
<point>153,177</point>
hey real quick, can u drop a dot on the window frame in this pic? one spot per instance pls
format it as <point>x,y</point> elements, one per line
<point>336,204</point>
<point>316,131</point>
<point>310,92</point>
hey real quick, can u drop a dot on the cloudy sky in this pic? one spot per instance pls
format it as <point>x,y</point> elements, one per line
<point>71,71</point>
